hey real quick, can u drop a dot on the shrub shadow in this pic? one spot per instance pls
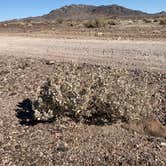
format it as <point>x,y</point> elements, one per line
<point>25,114</point>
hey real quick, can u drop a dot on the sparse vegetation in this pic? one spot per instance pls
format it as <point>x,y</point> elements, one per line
<point>163,22</point>
<point>96,23</point>
<point>112,22</point>
<point>145,20</point>
<point>94,95</point>
<point>155,20</point>
<point>99,23</point>
<point>59,20</point>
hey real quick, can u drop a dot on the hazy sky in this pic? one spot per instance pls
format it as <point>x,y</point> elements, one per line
<point>10,9</point>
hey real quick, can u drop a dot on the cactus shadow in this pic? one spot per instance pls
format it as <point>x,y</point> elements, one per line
<point>25,114</point>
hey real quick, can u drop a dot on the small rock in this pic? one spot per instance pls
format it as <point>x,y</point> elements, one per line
<point>50,62</point>
<point>17,147</point>
<point>12,94</point>
<point>1,122</point>
<point>62,147</point>
<point>1,138</point>
<point>163,144</point>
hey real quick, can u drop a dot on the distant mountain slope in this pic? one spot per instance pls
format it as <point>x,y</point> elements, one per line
<point>74,12</point>
<point>85,12</point>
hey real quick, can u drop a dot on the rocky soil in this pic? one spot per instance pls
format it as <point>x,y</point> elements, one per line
<point>65,142</point>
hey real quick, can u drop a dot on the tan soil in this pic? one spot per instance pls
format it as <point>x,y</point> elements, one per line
<point>148,126</point>
<point>24,66</point>
<point>148,55</point>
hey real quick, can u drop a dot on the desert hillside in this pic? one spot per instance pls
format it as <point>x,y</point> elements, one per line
<point>86,12</point>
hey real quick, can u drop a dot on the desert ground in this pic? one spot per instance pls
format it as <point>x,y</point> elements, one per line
<point>148,55</point>
<point>26,62</point>
<point>32,52</point>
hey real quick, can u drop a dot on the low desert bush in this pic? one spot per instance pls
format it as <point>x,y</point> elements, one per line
<point>145,20</point>
<point>112,22</point>
<point>94,94</point>
<point>155,20</point>
<point>163,22</point>
<point>59,21</point>
<point>96,23</point>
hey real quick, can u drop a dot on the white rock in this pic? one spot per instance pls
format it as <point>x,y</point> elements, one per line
<point>163,143</point>
<point>50,62</point>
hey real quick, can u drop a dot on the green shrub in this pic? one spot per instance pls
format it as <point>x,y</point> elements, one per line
<point>93,95</point>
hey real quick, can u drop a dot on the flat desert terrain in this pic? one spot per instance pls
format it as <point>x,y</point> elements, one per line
<point>148,55</point>
<point>27,62</point>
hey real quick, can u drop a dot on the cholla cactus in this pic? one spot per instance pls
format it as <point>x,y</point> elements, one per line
<point>45,106</point>
<point>93,94</point>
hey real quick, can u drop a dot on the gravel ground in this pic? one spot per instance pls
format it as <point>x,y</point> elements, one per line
<point>65,142</point>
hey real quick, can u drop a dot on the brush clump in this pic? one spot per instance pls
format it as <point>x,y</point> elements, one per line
<point>94,94</point>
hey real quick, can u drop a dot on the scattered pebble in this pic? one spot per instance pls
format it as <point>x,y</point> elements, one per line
<point>50,62</point>
<point>163,144</point>
<point>62,147</point>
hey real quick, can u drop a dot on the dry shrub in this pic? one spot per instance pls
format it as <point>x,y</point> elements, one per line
<point>59,20</point>
<point>145,20</point>
<point>163,22</point>
<point>96,23</point>
<point>94,94</point>
<point>155,20</point>
<point>112,22</point>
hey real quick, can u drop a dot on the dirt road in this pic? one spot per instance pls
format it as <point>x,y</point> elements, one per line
<point>149,55</point>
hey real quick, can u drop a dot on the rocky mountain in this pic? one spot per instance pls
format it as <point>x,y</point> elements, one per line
<point>162,13</point>
<point>86,12</point>
<point>75,12</point>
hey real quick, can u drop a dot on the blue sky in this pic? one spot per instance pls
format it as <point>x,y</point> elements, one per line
<point>10,9</point>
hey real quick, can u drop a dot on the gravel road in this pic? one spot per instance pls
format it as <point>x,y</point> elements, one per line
<point>148,55</point>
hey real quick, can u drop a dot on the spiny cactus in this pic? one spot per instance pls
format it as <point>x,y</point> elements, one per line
<point>93,94</point>
<point>44,105</point>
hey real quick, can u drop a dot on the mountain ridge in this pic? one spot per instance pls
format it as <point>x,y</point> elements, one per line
<point>83,12</point>
<point>90,11</point>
